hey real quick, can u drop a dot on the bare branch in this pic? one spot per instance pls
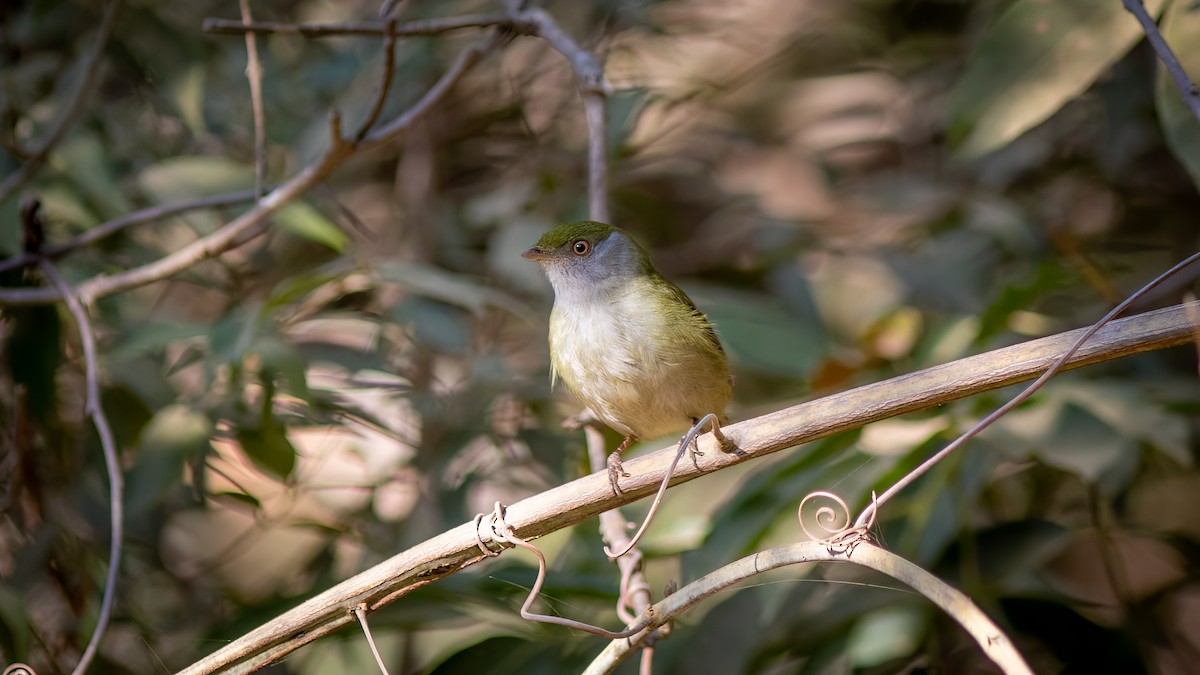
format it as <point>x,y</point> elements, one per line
<point>537,22</point>
<point>994,643</point>
<point>587,497</point>
<point>614,529</point>
<point>252,222</point>
<point>385,81</point>
<point>115,225</point>
<point>594,104</point>
<point>1187,88</point>
<point>15,180</point>
<point>111,461</point>
<point>254,74</point>
<point>423,27</point>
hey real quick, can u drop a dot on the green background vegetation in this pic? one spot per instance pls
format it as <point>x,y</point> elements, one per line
<point>852,190</point>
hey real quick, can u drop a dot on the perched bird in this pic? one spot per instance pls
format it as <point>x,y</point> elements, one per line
<point>628,343</point>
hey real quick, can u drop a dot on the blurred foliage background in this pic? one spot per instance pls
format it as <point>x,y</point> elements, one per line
<point>852,190</point>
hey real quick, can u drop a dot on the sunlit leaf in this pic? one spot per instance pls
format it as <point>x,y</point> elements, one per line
<point>1034,58</point>
<point>306,222</point>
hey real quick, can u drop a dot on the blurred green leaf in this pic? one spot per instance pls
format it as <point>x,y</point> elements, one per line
<point>152,337</point>
<point>232,335</point>
<point>182,178</point>
<point>89,165</point>
<point>306,222</point>
<point>173,435</point>
<point>455,289</point>
<point>1035,57</point>
<point>760,333</point>
<point>269,447</point>
<point>284,359</point>
<point>435,324</point>
<point>886,634</point>
<point>1181,28</point>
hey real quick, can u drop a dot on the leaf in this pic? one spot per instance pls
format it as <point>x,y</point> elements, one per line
<point>886,634</point>
<point>455,289</point>
<point>152,337</point>
<point>232,335</point>
<point>173,435</point>
<point>308,223</point>
<point>760,334</point>
<point>435,324</point>
<point>269,447</point>
<point>283,359</point>
<point>89,164</point>
<point>183,178</point>
<point>1181,28</point>
<point>1031,61</point>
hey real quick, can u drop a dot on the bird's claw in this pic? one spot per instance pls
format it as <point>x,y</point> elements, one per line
<point>615,471</point>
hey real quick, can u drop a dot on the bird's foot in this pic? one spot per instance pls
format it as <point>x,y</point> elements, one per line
<point>615,471</point>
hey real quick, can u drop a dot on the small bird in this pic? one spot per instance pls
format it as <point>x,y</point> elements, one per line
<point>629,344</point>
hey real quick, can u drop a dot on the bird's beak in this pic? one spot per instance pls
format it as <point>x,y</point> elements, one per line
<point>535,253</point>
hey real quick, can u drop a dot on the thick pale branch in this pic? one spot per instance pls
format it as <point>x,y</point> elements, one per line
<point>589,496</point>
<point>994,643</point>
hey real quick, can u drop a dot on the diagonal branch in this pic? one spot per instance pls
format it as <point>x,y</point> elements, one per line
<point>15,180</point>
<point>1187,88</point>
<point>587,497</point>
<point>115,225</point>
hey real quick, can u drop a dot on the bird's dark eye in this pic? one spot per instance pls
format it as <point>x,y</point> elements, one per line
<point>581,247</point>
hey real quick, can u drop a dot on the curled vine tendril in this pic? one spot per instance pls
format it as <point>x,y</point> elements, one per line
<point>830,522</point>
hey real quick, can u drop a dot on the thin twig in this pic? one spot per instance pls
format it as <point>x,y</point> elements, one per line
<point>684,444</point>
<point>254,73</point>
<point>107,444</point>
<point>594,104</point>
<point>253,221</point>
<point>361,612</point>
<point>614,529</point>
<point>385,81</point>
<point>870,511</point>
<point>994,643</point>
<point>115,225</point>
<point>502,532</point>
<point>1187,88</point>
<point>34,161</point>
<point>591,495</point>
<point>423,27</point>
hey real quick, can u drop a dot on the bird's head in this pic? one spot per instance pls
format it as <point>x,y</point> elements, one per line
<point>587,255</point>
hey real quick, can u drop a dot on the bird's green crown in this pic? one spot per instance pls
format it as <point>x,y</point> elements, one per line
<point>568,233</point>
